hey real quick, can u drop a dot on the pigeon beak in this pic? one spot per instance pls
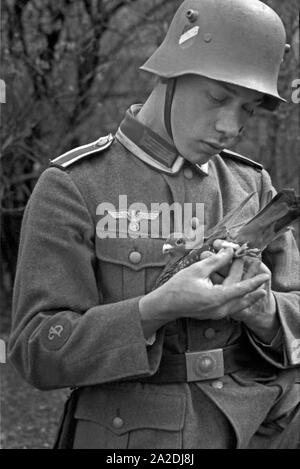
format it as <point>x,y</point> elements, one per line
<point>167,248</point>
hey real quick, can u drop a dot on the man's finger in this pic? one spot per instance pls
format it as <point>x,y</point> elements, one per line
<point>222,243</point>
<point>217,278</point>
<point>245,286</point>
<point>214,262</point>
<point>237,306</point>
<point>205,255</point>
<point>235,273</point>
<point>252,267</point>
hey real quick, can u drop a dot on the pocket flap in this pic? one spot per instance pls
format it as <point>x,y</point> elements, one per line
<point>133,253</point>
<point>121,411</point>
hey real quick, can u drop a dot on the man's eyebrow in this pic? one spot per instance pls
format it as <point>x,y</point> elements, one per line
<point>228,87</point>
<point>232,90</point>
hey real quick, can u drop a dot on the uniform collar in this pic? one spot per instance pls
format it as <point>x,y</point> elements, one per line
<point>149,146</point>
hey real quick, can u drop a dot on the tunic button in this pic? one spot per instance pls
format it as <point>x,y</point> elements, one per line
<point>118,422</point>
<point>217,384</point>
<point>195,223</point>
<point>188,173</point>
<point>135,257</point>
<point>209,333</point>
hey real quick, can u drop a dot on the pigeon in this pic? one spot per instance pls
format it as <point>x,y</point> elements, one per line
<point>252,236</point>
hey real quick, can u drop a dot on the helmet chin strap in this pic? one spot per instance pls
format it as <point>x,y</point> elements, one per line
<point>170,90</point>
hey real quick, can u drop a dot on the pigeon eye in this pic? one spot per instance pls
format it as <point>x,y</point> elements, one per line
<point>179,242</point>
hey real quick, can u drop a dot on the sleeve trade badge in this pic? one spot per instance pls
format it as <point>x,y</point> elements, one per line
<point>55,333</point>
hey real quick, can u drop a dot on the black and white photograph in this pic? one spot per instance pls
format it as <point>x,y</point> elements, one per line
<point>150,227</point>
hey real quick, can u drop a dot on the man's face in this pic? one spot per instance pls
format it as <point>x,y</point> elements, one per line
<point>208,116</point>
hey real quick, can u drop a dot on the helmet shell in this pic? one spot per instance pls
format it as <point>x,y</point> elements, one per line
<point>235,41</point>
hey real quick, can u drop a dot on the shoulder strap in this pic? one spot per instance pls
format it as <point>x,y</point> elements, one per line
<point>241,159</point>
<point>67,159</point>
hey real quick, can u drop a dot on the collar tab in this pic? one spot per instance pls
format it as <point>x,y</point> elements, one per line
<point>150,147</point>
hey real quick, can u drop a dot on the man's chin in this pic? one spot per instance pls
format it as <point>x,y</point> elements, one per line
<point>198,158</point>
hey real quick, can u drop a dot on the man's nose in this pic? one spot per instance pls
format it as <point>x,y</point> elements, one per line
<point>229,123</point>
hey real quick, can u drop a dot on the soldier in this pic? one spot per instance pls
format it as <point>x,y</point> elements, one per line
<point>189,364</point>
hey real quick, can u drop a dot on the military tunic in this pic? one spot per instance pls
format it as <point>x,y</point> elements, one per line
<point>76,319</point>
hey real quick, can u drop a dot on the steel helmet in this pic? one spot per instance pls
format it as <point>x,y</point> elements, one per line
<point>242,42</point>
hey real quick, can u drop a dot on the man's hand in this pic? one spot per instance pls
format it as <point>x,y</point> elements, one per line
<point>194,295</point>
<point>260,317</point>
<point>190,293</point>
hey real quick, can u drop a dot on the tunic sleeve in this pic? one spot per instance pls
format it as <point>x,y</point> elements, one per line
<point>282,258</point>
<point>62,333</point>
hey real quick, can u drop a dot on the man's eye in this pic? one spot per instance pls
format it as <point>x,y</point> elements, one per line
<point>217,98</point>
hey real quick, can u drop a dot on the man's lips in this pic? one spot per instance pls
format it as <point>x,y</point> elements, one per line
<point>212,146</point>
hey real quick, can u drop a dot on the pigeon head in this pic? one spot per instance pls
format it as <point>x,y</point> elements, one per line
<point>175,244</point>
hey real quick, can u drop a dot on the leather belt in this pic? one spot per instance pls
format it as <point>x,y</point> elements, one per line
<point>205,364</point>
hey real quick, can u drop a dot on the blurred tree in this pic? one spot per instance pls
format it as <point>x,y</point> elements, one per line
<point>71,70</point>
<point>274,138</point>
<point>69,67</point>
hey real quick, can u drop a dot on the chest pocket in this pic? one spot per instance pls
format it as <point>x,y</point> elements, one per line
<point>128,267</point>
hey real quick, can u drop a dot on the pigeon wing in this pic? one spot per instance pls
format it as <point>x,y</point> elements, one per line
<point>271,221</point>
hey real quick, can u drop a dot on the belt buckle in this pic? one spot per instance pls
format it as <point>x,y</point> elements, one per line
<point>207,364</point>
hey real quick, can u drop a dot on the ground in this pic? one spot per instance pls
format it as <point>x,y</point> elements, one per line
<point>28,417</point>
